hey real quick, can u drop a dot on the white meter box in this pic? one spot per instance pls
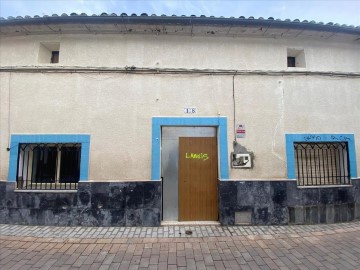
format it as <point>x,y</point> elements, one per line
<point>241,161</point>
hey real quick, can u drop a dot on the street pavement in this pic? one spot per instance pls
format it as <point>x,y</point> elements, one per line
<point>335,246</point>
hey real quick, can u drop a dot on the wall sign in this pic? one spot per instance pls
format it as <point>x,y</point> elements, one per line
<point>240,131</point>
<point>190,110</point>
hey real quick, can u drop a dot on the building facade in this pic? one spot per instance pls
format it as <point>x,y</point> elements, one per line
<point>136,120</point>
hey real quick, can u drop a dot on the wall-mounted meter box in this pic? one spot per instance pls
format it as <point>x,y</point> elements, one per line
<point>241,161</point>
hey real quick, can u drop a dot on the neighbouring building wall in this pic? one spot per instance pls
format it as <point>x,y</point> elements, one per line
<point>116,110</point>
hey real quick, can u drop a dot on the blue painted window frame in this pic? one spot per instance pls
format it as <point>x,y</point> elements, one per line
<point>219,122</point>
<point>294,138</point>
<point>16,139</point>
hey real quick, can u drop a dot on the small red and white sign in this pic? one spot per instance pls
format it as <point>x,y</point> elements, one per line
<point>240,131</point>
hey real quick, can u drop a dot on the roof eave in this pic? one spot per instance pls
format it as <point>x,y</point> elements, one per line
<point>176,20</point>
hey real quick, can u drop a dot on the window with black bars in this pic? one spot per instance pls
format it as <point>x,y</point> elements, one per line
<point>48,166</point>
<point>324,163</point>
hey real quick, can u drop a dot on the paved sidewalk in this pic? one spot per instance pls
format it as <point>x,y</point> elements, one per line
<point>334,246</point>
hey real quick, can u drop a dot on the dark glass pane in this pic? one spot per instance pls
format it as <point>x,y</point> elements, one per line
<point>291,61</point>
<point>44,164</point>
<point>70,164</point>
<point>55,57</point>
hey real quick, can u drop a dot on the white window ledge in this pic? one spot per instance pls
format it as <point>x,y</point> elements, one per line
<point>45,191</point>
<point>325,186</point>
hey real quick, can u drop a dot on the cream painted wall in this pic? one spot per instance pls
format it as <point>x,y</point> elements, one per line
<point>182,52</point>
<point>4,129</point>
<point>116,110</point>
<point>273,106</point>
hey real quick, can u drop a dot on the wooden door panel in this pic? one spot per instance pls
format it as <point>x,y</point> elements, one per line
<point>198,195</point>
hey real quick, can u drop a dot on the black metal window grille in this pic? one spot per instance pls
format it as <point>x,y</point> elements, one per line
<point>322,163</point>
<point>48,166</point>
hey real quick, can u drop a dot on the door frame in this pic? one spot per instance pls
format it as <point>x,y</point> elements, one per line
<point>219,122</point>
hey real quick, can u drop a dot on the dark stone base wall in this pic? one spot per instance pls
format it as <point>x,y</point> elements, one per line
<point>94,204</point>
<point>3,210</point>
<point>139,204</point>
<point>282,202</point>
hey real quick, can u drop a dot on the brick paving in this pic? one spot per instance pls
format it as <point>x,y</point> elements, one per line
<point>335,246</point>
